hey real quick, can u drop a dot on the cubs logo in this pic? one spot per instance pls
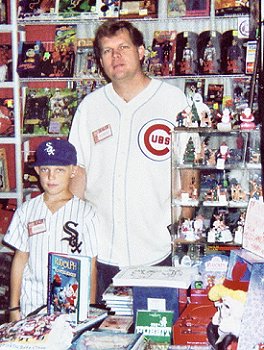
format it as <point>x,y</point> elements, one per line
<point>154,139</point>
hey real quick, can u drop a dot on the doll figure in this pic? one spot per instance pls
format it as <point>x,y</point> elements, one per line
<point>222,155</point>
<point>225,124</point>
<point>247,120</point>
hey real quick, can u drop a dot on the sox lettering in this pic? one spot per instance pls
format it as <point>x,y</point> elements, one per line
<point>74,236</point>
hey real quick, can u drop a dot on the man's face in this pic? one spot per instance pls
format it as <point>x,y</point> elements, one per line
<point>120,58</point>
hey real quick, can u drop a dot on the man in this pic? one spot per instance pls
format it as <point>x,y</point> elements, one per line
<point>122,136</point>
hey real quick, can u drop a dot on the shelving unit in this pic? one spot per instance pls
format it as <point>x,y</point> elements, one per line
<point>17,192</point>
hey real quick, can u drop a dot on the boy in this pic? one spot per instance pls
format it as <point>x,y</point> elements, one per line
<point>55,221</point>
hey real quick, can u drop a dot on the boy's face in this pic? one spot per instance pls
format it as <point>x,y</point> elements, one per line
<point>55,179</point>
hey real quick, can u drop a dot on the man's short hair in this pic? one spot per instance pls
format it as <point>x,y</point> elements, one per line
<point>110,28</point>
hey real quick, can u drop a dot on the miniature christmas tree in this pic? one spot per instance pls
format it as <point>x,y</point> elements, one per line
<point>189,154</point>
<point>195,115</point>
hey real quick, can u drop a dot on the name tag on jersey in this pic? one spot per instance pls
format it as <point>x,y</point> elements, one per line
<point>36,227</point>
<point>102,133</point>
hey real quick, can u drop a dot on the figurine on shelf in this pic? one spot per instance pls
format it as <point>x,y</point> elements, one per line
<point>202,110</point>
<point>237,193</point>
<point>222,155</point>
<point>225,124</point>
<point>238,239</point>
<point>247,120</point>
<point>220,232</point>
<point>187,230</point>
<point>255,189</point>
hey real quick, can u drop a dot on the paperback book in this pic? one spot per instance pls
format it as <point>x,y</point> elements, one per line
<point>69,285</point>
<point>37,332</point>
<point>108,341</point>
<point>116,323</point>
<point>118,294</point>
<point>155,276</point>
<point>155,325</point>
<point>163,58</point>
<point>95,316</point>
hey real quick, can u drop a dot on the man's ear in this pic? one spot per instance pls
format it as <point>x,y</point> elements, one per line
<point>74,171</point>
<point>141,52</point>
<point>36,168</point>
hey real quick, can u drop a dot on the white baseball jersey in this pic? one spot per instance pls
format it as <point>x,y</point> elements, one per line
<point>34,229</point>
<point>125,148</point>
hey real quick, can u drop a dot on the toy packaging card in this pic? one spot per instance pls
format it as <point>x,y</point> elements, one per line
<point>138,8</point>
<point>85,62</point>
<point>32,8</point>
<point>186,53</point>
<point>197,8</point>
<point>163,59</point>
<point>176,8</point>
<point>108,8</point>
<point>69,8</point>
<point>208,45</point>
<point>233,52</point>
<point>29,58</point>
<point>228,7</point>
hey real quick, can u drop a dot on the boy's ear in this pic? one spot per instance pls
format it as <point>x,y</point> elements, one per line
<point>36,168</point>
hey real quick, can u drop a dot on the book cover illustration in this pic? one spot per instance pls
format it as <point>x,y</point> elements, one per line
<point>72,8</point>
<point>39,8</point>
<point>186,53</point>
<point>85,62</point>
<point>36,111</point>
<point>108,8</point>
<point>233,53</point>
<point>176,8</point>
<point>196,8</point>
<point>63,56</point>
<point>138,8</point>
<point>208,46</point>
<point>62,106</point>
<point>69,286</point>
<point>6,116</point>
<point>29,58</point>
<point>215,93</point>
<point>116,323</point>
<point>37,332</point>
<point>162,62</point>
<point>155,276</point>
<point>155,325</point>
<point>108,340</point>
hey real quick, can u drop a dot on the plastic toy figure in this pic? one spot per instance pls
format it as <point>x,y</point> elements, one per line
<point>187,59</point>
<point>247,119</point>
<point>234,56</point>
<point>209,57</point>
<point>222,155</point>
<point>225,124</point>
